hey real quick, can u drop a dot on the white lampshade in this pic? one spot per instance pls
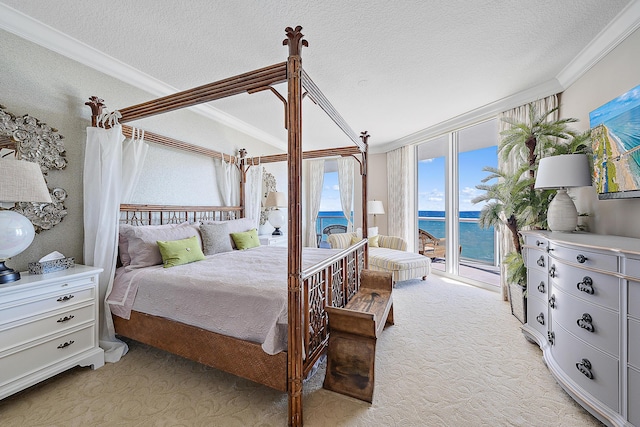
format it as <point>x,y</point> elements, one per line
<point>562,172</point>
<point>375,207</point>
<point>20,181</point>
<point>276,199</point>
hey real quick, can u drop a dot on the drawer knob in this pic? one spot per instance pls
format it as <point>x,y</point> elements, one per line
<point>551,337</point>
<point>539,243</point>
<point>586,285</point>
<point>67,344</point>
<point>65,318</point>
<point>586,322</point>
<point>541,287</point>
<point>552,271</point>
<point>585,367</point>
<point>581,259</point>
<point>552,301</point>
<point>540,261</point>
<point>540,318</point>
<point>65,298</point>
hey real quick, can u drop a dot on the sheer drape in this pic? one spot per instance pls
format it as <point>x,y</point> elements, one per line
<point>345,183</point>
<point>520,115</point>
<point>134,151</point>
<point>316,180</point>
<point>253,194</point>
<point>228,182</point>
<point>399,188</point>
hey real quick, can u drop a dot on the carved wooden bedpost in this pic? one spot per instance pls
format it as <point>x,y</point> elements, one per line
<point>96,104</point>
<point>294,129</point>
<point>365,169</point>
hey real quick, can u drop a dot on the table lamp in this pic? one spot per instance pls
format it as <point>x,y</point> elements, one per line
<point>20,181</point>
<point>562,172</point>
<point>374,207</point>
<point>276,199</point>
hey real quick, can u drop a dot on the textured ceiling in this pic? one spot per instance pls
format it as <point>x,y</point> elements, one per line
<point>392,68</point>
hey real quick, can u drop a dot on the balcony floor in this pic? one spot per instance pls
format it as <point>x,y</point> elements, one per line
<point>485,273</point>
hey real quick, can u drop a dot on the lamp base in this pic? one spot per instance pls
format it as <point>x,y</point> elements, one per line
<point>7,275</point>
<point>277,232</point>
<point>562,215</point>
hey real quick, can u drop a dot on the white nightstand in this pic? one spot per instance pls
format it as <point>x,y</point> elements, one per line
<point>48,324</point>
<point>271,240</point>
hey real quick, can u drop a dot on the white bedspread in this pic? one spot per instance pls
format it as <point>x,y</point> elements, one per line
<point>240,293</point>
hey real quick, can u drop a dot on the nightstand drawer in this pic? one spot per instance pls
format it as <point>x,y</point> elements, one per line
<point>33,328</point>
<point>15,364</point>
<point>537,284</point>
<point>23,308</point>
<point>591,369</point>
<point>594,324</point>
<point>584,258</point>
<point>594,287</point>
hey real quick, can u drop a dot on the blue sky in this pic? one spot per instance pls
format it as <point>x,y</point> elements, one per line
<point>430,182</point>
<point>615,107</point>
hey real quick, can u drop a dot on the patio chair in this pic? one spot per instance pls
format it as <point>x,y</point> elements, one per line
<point>431,246</point>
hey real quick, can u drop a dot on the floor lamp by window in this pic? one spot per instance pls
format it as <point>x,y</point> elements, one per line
<point>275,200</point>
<point>20,181</point>
<point>374,207</point>
<point>562,172</point>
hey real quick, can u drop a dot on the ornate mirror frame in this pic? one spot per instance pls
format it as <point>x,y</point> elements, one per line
<point>29,139</point>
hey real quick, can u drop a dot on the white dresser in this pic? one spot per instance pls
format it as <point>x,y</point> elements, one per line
<point>48,324</point>
<point>271,240</point>
<point>583,310</point>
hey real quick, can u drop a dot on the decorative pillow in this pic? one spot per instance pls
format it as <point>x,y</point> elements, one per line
<point>123,245</point>
<point>143,249</point>
<point>373,241</point>
<point>235,226</point>
<point>246,239</point>
<point>215,238</point>
<point>178,252</point>
<point>340,240</point>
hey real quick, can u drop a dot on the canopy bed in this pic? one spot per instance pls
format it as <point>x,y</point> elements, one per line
<point>310,287</point>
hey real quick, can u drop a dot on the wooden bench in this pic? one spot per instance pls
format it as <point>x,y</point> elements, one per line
<point>353,332</point>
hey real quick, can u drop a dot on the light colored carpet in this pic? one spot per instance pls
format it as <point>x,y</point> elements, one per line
<point>455,357</point>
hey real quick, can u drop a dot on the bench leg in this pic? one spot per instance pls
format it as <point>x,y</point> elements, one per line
<point>390,316</point>
<point>350,365</point>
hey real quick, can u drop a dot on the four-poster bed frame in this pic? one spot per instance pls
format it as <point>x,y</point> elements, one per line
<point>332,282</point>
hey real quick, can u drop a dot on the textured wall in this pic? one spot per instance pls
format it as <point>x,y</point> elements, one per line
<point>612,76</point>
<point>52,88</point>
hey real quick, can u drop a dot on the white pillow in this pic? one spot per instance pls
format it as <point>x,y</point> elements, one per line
<point>142,247</point>
<point>235,226</point>
<point>215,238</point>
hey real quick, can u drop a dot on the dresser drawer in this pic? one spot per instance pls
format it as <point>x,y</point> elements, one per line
<point>634,299</point>
<point>17,364</point>
<point>594,287</point>
<point>584,258</point>
<point>34,328</point>
<point>537,315</point>
<point>537,284</point>
<point>634,392</point>
<point>572,354</point>
<point>23,308</point>
<point>634,343</point>
<point>594,324</point>
<point>536,241</point>
<point>536,260</point>
<point>632,267</point>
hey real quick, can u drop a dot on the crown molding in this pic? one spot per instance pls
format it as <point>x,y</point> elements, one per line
<point>48,37</point>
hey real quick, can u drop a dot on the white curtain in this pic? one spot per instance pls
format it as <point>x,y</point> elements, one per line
<point>316,180</point>
<point>102,194</point>
<point>520,115</point>
<point>399,189</point>
<point>134,151</point>
<point>228,182</point>
<point>253,194</point>
<point>345,183</point>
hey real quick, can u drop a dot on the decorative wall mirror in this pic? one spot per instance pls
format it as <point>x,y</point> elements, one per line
<point>268,185</point>
<point>27,138</point>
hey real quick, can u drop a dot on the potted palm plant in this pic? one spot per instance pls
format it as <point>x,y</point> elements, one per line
<point>511,200</point>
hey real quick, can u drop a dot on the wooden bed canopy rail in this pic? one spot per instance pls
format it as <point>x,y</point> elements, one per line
<point>333,283</point>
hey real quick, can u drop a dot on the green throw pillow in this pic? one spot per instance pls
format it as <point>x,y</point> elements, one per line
<point>246,239</point>
<point>373,241</point>
<point>178,252</point>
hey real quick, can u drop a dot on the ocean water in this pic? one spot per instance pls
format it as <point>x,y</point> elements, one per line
<point>626,129</point>
<point>477,243</point>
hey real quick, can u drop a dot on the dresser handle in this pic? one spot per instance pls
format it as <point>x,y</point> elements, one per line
<point>67,344</point>
<point>65,319</point>
<point>585,322</point>
<point>541,287</point>
<point>581,259</point>
<point>552,271</point>
<point>540,261</point>
<point>586,285</point>
<point>551,336</point>
<point>539,243</point>
<point>65,298</point>
<point>552,301</point>
<point>585,368</point>
<point>540,318</point>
